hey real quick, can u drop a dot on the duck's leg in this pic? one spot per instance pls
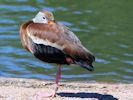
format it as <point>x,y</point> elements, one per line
<point>58,76</point>
<point>51,93</point>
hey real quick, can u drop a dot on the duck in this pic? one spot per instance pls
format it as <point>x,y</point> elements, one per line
<point>53,42</point>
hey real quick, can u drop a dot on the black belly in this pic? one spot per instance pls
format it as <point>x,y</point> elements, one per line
<point>49,54</point>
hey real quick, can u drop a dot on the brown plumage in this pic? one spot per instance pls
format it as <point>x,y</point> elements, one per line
<point>52,42</point>
<point>59,34</point>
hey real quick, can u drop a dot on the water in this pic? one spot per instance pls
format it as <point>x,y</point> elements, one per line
<point>104,27</point>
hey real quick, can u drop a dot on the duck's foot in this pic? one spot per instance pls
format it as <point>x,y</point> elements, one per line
<point>45,94</point>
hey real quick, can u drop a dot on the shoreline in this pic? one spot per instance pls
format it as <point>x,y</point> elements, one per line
<point>25,89</point>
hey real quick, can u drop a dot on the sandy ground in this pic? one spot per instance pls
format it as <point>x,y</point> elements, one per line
<point>26,89</point>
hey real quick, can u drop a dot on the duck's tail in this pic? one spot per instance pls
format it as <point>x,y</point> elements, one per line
<point>85,65</point>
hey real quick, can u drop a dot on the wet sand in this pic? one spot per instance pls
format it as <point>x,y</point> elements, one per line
<point>26,89</point>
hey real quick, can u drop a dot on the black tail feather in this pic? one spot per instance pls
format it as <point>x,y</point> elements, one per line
<point>85,65</point>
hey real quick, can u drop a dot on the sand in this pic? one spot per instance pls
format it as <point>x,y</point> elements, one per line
<point>26,89</point>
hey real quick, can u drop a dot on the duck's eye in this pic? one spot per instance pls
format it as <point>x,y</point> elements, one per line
<point>44,18</point>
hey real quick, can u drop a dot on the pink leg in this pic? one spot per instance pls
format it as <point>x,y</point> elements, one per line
<point>58,76</point>
<point>52,93</point>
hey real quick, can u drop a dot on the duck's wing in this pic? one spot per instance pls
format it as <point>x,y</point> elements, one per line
<point>74,46</point>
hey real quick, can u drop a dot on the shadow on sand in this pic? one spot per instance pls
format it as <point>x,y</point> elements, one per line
<point>88,95</point>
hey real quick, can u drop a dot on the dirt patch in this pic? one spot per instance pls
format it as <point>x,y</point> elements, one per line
<point>25,89</point>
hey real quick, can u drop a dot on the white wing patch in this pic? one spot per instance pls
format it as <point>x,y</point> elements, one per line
<point>44,42</point>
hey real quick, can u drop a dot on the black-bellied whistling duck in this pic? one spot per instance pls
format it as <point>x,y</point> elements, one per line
<point>52,42</point>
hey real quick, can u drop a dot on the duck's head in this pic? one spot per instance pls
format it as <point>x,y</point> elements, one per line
<point>44,16</point>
